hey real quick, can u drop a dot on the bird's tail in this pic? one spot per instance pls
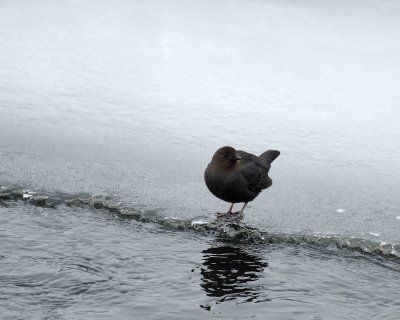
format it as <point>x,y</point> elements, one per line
<point>269,156</point>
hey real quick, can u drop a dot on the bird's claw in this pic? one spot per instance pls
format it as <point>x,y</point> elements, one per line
<point>229,215</point>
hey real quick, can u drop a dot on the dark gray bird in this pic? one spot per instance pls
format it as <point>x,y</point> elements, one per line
<point>237,176</point>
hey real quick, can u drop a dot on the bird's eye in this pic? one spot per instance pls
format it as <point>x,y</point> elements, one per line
<point>226,156</point>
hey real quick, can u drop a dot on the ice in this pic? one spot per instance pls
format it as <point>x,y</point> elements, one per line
<point>374,234</point>
<point>27,195</point>
<point>198,222</point>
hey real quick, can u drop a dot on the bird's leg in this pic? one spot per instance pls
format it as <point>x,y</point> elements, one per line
<point>244,206</point>
<point>232,215</point>
<point>225,214</point>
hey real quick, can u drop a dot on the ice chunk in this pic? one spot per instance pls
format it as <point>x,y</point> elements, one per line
<point>198,222</point>
<point>27,195</point>
<point>374,234</point>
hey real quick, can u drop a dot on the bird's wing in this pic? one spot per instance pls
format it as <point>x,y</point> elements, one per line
<point>253,171</point>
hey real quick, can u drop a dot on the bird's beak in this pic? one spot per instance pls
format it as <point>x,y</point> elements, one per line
<point>238,158</point>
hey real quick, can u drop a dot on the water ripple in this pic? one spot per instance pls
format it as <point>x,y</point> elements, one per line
<point>234,231</point>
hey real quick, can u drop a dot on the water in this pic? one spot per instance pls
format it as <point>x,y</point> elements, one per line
<point>75,263</point>
<point>110,114</point>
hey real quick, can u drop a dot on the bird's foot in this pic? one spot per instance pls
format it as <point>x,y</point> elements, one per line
<point>229,215</point>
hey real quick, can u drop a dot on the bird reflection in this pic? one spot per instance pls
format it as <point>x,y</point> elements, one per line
<point>227,272</point>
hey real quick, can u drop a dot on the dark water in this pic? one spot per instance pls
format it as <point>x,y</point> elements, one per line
<point>109,114</point>
<point>73,262</point>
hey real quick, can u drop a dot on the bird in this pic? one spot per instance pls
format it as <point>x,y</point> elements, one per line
<point>237,176</point>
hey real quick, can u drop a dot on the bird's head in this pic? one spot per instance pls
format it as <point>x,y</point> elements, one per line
<point>226,157</point>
